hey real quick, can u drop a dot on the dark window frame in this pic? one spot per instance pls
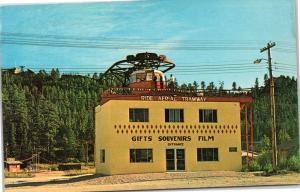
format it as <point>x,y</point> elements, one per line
<point>208,115</point>
<point>232,149</point>
<point>102,155</point>
<point>170,115</point>
<point>207,154</point>
<point>133,155</point>
<point>135,117</point>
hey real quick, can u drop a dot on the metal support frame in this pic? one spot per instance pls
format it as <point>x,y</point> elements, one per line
<point>246,132</point>
<point>252,132</point>
<point>248,114</point>
<point>121,70</point>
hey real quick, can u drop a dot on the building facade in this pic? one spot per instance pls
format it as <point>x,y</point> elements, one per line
<point>140,134</point>
<point>149,125</point>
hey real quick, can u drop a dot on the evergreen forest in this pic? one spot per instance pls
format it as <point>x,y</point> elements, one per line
<point>53,114</point>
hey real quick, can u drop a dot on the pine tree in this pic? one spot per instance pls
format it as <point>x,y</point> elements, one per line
<point>221,87</point>
<point>234,86</point>
<point>256,86</point>
<point>195,85</point>
<point>203,85</point>
<point>211,86</point>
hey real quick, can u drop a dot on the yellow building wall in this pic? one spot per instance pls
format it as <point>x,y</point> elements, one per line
<point>113,117</point>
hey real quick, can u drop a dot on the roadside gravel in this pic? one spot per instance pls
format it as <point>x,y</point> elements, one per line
<point>132,178</point>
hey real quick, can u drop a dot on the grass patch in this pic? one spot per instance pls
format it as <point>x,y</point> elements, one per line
<point>278,172</point>
<point>54,166</point>
<point>17,175</point>
<point>79,172</point>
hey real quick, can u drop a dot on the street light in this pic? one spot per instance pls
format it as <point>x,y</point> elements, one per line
<point>258,61</point>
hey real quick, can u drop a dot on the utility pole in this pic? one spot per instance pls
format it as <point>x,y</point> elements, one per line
<point>273,112</point>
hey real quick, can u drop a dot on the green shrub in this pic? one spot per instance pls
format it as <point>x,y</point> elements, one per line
<point>265,162</point>
<point>17,175</point>
<point>63,167</point>
<point>264,144</point>
<point>245,168</point>
<point>73,160</point>
<point>293,163</point>
<point>264,159</point>
<point>53,167</point>
<point>79,172</point>
<point>268,169</point>
<point>254,166</point>
<point>282,163</point>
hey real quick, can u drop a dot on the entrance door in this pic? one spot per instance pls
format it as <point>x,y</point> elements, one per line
<point>175,159</point>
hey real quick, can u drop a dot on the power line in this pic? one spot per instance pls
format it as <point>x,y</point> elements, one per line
<point>130,46</point>
<point>198,69</point>
<point>212,72</point>
<point>113,39</point>
<point>182,67</point>
<point>118,46</point>
<point>109,43</point>
<point>179,65</point>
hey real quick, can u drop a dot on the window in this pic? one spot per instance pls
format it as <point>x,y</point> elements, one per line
<point>207,154</point>
<point>102,156</point>
<point>140,77</point>
<point>232,149</point>
<point>140,155</point>
<point>149,76</point>
<point>174,115</point>
<point>132,78</point>
<point>138,115</point>
<point>208,115</point>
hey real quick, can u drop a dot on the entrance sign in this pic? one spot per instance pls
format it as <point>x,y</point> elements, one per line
<point>175,144</point>
<point>172,138</point>
<point>173,98</point>
<point>141,138</point>
<point>206,138</point>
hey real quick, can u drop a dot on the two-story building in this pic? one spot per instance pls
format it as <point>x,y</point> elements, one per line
<point>150,129</point>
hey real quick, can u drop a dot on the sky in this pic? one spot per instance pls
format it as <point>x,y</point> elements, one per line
<point>208,40</point>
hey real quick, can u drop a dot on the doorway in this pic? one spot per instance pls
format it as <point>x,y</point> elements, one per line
<point>175,159</point>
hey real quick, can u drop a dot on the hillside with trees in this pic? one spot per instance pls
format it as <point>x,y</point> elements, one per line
<point>53,114</point>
